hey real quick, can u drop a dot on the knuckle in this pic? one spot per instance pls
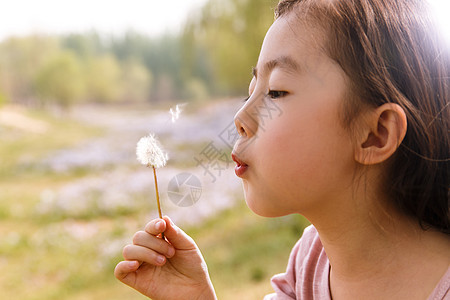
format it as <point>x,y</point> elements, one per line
<point>126,252</point>
<point>150,226</point>
<point>190,241</point>
<point>139,236</point>
<point>118,270</point>
<point>163,245</point>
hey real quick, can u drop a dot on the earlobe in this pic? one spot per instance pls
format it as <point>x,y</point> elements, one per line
<point>385,130</point>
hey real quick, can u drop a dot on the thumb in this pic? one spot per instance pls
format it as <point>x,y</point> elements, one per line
<point>177,237</point>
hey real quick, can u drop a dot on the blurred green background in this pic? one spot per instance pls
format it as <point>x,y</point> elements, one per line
<point>73,106</point>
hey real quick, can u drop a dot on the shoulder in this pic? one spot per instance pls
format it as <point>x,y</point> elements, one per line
<point>310,237</point>
<point>308,252</point>
<point>442,290</point>
<point>306,276</point>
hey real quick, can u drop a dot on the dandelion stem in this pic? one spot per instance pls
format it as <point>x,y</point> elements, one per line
<point>157,197</point>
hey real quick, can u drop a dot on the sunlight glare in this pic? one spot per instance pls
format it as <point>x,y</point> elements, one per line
<point>441,9</point>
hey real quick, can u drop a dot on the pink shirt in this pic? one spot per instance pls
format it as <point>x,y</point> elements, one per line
<point>308,271</point>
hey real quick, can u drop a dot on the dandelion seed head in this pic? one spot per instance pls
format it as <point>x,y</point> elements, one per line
<point>150,153</point>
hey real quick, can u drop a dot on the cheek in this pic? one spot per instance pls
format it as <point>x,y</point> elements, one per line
<point>280,153</point>
<point>304,156</point>
<point>290,141</point>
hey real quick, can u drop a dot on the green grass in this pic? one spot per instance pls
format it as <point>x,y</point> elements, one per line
<point>244,251</point>
<point>21,178</point>
<point>70,256</point>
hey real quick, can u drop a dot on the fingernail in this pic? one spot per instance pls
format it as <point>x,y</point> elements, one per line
<point>170,252</point>
<point>132,264</point>
<point>160,259</point>
<point>159,225</point>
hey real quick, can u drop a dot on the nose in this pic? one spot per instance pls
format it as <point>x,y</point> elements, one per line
<point>246,120</point>
<point>240,124</point>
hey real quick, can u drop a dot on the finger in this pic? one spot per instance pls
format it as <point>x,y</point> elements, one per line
<point>139,253</point>
<point>124,271</point>
<point>155,227</point>
<point>144,239</point>
<point>177,237</point>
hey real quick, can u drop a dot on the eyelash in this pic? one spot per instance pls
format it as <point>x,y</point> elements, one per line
<point>276,94</point>
<point>272,94</point>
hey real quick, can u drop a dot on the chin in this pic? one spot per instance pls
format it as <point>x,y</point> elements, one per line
<point>259,206</point>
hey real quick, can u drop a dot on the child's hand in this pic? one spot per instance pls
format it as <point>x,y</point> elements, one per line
<point>165,270</point>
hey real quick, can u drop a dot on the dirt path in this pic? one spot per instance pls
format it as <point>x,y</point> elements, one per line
<point>15,117</point>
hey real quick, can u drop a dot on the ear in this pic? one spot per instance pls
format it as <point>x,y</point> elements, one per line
<point>383,132</point>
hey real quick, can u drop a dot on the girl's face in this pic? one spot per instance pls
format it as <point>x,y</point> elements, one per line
<point>293,154</point>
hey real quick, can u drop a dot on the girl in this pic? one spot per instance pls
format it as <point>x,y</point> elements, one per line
<point>361,150</point>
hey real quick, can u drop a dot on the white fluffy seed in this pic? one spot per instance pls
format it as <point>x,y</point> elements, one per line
<point>150,153</point>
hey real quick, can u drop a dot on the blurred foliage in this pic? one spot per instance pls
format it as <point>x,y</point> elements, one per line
<point>136,81</point>
<point>213,56</point>
<point>3,99</point>
<point>61,79</point>
<point>103,77</point>
<point>20,60</point>
<point>230,33</point>
<point>244,250</point>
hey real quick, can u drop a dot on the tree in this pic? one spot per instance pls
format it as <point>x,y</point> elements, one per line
<point>231,32</point>
<point>20,60</point>
<point>136,81</point>
<point>85,45</point>
<point>103,79</point>
<point>61,80</point>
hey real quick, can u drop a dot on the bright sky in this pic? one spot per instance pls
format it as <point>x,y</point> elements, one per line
<point>21,17</point>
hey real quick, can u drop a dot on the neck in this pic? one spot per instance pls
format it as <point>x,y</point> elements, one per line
<point>369,248</point>
<point>362,246</point>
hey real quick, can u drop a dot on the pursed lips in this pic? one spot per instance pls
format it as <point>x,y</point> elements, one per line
<point>241,166</point>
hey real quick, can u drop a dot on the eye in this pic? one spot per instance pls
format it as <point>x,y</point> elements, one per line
<point>277,94</point>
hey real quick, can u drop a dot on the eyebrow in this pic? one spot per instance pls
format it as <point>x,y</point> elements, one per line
<point>285,62</point>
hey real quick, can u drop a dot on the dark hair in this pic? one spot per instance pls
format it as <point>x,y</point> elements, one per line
<point>392,52</point>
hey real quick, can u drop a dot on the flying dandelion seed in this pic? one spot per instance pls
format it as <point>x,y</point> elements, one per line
<point>175,113</point>
<point>150,153</point>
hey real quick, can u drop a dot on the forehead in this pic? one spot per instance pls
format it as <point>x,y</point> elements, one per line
<point>289,43</point>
